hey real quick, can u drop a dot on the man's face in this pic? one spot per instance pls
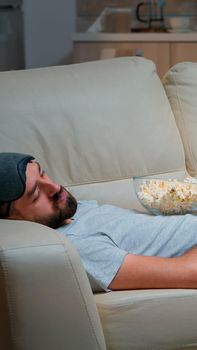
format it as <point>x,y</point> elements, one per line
<point>44,201</point>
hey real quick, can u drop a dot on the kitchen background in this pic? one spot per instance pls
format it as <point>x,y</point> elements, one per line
<point>36,33</point>
<point>89,10</point>
<point>164,31</point>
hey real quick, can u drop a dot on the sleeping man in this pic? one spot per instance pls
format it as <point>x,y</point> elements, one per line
<point>120,249</point>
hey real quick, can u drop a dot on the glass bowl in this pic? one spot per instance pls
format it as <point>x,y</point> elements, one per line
<point>167,196</point>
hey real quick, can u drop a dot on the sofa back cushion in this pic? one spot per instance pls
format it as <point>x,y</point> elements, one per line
<point>93,126</point>
<point>180,84</point>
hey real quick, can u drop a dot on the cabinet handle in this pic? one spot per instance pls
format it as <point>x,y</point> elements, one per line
<point>139,52</point>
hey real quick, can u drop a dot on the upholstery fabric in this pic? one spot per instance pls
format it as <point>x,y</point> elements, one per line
<point>149,319</point>
<point>118,110</point>
<point>180,83</point>
<point>44,285</point>
<point>93,126</point>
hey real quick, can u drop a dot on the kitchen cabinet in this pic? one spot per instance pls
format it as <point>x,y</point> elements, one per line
<point>181,52</point>
<point>158,53</point>
<point>164,49</point>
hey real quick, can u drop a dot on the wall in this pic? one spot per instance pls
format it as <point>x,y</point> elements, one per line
<point>48,29</point>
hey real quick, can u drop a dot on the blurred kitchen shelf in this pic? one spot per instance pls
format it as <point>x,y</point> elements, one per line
<point>140,36</point>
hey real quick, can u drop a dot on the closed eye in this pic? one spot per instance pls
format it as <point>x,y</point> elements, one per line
<point>32,190</point>
<point>42,173</point>
<point>36,195</point>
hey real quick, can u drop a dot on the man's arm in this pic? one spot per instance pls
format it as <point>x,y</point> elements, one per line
<point>147,272</point>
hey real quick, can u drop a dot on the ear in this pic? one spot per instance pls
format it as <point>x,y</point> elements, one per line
<point>68,221</point>
<point>15,214</point>
<point>14,217</point>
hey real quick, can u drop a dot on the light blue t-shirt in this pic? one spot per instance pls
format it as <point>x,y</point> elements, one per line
<point>105,234</point>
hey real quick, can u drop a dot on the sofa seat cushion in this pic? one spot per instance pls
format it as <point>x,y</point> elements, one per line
<point>149,319</point>
<point>180,84</point>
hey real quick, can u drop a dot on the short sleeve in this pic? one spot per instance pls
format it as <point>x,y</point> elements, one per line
<point>101,259</point>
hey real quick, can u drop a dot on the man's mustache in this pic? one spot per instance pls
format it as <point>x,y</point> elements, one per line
<point>57,195</point>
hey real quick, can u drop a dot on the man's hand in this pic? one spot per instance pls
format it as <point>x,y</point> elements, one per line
<point>147,272</point>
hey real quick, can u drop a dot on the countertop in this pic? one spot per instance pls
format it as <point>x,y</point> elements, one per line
<point>127,37</point>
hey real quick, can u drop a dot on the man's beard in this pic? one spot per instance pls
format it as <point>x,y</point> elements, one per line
<point>60,214</point>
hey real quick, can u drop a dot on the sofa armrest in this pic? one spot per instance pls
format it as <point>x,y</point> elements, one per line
<point>45,298</point>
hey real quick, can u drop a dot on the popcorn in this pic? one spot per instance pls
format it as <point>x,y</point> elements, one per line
<point>169,197</point>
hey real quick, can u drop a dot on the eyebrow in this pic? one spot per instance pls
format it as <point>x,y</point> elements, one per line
<point>32,190</point>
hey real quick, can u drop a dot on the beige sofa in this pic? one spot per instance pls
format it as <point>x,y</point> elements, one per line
<point>93,126</point>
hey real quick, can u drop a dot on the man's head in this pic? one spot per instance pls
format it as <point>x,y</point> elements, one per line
<point>27,193</point>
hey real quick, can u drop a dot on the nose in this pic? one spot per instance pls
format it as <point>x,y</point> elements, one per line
<point>49,187</point>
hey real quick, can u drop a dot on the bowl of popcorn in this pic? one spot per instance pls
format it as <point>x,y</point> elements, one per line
<point>167,196</point>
